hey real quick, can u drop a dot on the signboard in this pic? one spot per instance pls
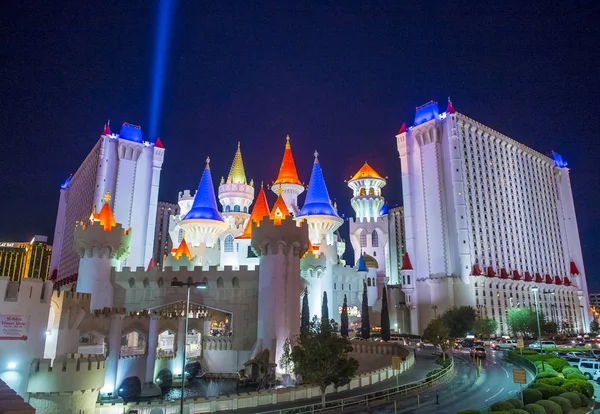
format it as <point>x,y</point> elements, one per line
<point>519,376</point>
<point>5,244</point>
<point>520,343</point>
<point>14,327</point>
<point>396,362</point>
<point>352,311</point>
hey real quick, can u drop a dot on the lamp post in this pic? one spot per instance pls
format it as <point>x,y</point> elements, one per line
<point>197,285</point>
<point>434,307</point>
<point>537,315</point>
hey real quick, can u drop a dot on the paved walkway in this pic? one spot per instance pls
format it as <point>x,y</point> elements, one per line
<point>424,363</point>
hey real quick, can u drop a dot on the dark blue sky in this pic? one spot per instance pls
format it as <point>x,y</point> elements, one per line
<point>337,79</point>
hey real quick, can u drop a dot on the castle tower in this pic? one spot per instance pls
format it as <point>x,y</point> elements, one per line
<point>279,244</point>
<point>101,245</point>
<point>367,201</point>
<point>203,224</point>
<point>288,181</point>
<point>260,211</point>
<point>410,295</point>
<point>236,196</point>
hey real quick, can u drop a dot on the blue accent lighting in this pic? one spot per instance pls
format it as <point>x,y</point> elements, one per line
<point>66,184</point>
<point>558,160</point>
<point>317,201</point>
<point>384,210</point>
<point>426,112</point>
<point>163,30</point>
<point>131,132</point>
<point>205,203</point>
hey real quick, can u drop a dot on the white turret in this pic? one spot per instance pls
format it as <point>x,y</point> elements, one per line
<point>287,181</point>
<point>367,201</point>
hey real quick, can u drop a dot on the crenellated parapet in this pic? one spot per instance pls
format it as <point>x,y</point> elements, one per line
<point>74,373</point>
<point>92,240</point>
<point>27,292</point>
<point>268,237</point>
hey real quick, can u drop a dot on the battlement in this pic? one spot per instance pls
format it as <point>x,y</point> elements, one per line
<point>185,195</point>
<point>377,220</point>
<point>92,240</point>
<point>26,292</point>
<point>108,312</point>
<point>289,233</point>
<point>73,373</point>
<point>235,189</point>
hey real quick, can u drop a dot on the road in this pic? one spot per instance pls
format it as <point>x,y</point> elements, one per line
<point>464,391</point>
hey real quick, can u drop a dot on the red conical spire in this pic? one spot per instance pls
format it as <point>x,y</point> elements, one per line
<point>287,171</point>
<point>406,264</point>
<point>402,129</point>
<point>151,265</point>
<point>450,109</point>
<point>158,143</point>
<point>106,130</point>
<point>260,211</point>
<point>279,211</point>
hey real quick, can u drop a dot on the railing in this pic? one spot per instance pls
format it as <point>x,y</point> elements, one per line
<point>512,356</point>
<point>366,399</point>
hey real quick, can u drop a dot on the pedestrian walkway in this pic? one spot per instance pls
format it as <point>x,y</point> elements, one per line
<point>424,363</point>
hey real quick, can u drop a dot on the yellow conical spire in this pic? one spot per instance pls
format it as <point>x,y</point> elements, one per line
<point>237,175</point>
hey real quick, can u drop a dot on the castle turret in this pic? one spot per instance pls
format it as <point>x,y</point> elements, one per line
<point>279,244</point>
<point>408,288</point>
<point>101,245</point>
<point>367,201</point>
<point>236,196</point>
<point>203,224</point>
<point>287,180</point>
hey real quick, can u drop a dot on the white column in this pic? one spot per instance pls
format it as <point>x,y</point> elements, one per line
<point>114,351</point>
<point>152,346</point>
<point>181,339</point>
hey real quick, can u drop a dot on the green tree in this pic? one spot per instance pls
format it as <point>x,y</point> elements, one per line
<point>550,328</point>
<point>460,320</point>
<point>322,357</point>
<point>485,327</point>
<point>285,361</point>
<point>365,323</point>
<point>594,326</point>
<point>523,321</point>
<point>324,312</point>
<point>438,333</point>
<point>385,316</point>
<point>344,319</point>
<point>305,320</point>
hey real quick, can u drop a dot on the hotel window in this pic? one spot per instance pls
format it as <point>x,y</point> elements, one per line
<point>374,239</point>
<point>363,239</point>
<point>228,244</point>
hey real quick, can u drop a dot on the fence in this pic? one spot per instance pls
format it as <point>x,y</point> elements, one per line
<point>366,399</point>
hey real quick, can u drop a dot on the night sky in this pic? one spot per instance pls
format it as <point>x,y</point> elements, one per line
<point>337,79</point>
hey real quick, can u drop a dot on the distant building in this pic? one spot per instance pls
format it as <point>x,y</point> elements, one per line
<point>162,241</point>
<point>128,168</point>
<point>595,300</point>
<point>396,244</point>
<point>20,260</point>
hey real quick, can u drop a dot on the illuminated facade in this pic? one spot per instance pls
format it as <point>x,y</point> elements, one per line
<point>128,167</point>
<point>487,218</point>
<point>19,260</point>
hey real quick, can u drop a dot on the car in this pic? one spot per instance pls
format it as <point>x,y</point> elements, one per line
<point>596,376</point>
<point>544,345</point>
<point>589,367</point>
<point>477,352</point>
<point>506,344</point>
<point>573,361</point>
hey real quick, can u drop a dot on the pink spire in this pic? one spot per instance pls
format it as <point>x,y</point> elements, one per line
<point>450,109</point>
<point>158,143</point>
<point>106,130</point>
<point>402,129</point>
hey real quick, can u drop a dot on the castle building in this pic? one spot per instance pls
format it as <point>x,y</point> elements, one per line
<point>162,240</point>
<point>486,220</point>
<point>19,260</point>
<point>128,167</point>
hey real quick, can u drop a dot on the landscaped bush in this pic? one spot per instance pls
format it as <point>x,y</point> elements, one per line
<point>444,363</point>
<point>534,409</point>
<point>435,372</point>
<point>578,385</point>
<point>564,403</point>
<point>515,402</point>
<point>576,376</point>
<point>557,363</point>
<point>543,375</point>
<point>501,406</point>
<point>571,370</point>
<point>469,412</point>
<point>585,401</point>
<point>550,406</point>
<point>544,367</point>
<point>531,395</point>
<point>557,381</point>
<point>518,411</point>
<point>573,398</point>
<point>548,390</point>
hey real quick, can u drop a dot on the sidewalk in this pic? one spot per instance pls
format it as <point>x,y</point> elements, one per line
<point>424,363</point>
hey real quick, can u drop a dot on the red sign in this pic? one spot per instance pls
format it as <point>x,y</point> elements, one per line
<point>14,327</point>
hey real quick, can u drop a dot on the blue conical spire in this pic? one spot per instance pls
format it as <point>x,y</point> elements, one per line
<point>317,198</point>
<point>360,265</point>
<point>205,203</point>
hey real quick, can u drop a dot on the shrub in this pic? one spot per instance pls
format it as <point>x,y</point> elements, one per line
<point>571,370</point>
<point>578,385</point>
<point>557,381</point>
<point>518,411</point>
<point>515,402</point>
<point>585,401</point>
<point>557,363</point>
<point>573,398</point>
<point>576,376</point>
<point>543,375</point>
<point>550,406</point>
<point>469,412</point>
<point>501,406</point>
<point>564,403</point>
<point>548,390</point>
<point>534,409</point>
<point>531,395</point>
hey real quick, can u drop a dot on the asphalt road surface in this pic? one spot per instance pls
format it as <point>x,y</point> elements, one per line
<point>465,390</point>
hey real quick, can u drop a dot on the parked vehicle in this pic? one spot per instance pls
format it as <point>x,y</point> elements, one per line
<point>477,351</point>
<point>589,367</point>
<point>596,376</point>
<point>507,344</point>
<point>544,345</point>
<point>573,361</point>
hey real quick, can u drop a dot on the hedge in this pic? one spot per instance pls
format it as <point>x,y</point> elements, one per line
<point>550,406</point>
<point>534,409</point>
<point>557,381</point>
<point>574,398</point>
<point>543,375</point>
<point>564,403</point>
<point>515,402</point>
<point>531,395</point>
<point>469,412</point>
<point>578,385</point>
<point>557,363</point>
<point>585,401</point>
<point>501,406</point>
<point>548,390</point>
<point>518,411</point>
<point>576,376</point>
<point>571,370</point>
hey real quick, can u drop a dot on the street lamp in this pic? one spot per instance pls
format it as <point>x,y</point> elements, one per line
<point>197,285</point>
<point>434,307</point>
<point>535,289</point>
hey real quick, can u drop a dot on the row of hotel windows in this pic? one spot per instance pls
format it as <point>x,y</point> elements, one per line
<point>374,239</point>
<point>236,209</point>
<point>516,191</point>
